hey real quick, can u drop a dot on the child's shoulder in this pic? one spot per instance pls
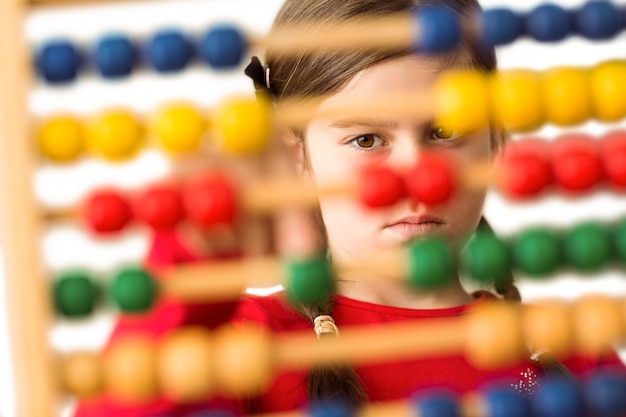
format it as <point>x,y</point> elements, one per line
<point>271,311</point>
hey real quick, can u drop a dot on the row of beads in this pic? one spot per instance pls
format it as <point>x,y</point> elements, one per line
<point>184,367</point>
<point>465,101</point>
<point>536,252</point>
<point>238,125</point>
<point>574,165</point>
<point>224,46</point>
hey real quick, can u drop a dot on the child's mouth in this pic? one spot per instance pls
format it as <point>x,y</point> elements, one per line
<point>408,229</point>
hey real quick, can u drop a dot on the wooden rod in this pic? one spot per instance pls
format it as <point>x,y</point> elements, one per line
<point>26,285</point>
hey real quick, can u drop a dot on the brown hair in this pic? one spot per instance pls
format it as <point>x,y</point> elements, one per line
<point>295,76</point>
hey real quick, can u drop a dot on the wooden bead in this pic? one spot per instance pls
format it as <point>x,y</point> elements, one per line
<point>493,335</point>
<point>115,135</point>
<point>526,169</point>
<point>81,374</point>
<point>606,83</point>
<point>210,199</point>
<point>613,152</point>
<point>242,125</point>
<point>244,361</point>
<point>178,128</point>
<point>518,104</point>
<point>380,186</point>
<point>129,368</point>
<point>184,365</point>
<point>576,163</point>
<point>598,322</point>
<point>160,206</point>
<point>461,101</point>
<point>309,280</point>
<point>549,326</point>
<point>61,139</point>
<point>432,180</point>
<point>106,211</point>
<point>567,100</point>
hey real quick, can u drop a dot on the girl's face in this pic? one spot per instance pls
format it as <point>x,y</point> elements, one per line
<point>338,148</point>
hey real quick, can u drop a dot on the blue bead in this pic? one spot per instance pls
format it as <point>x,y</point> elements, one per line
<point>500,27</point>
<point>557,399</point>
<point>505,402</point>
<point>58,61</point>
<point>114,56</point>
<point>168,51</point>
<point>332,408</point>
<point>222,47</point>
<point>605,394</point>
<point>598,20</point>
<point>439,29</point>
<point>549,23</point>
<point>438,405</point>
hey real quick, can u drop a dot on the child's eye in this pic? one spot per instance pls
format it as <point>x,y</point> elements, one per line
<point>368,141</point>
<point>443,134</point>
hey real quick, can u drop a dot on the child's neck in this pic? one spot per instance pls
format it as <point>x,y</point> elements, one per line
<point>395,293</point>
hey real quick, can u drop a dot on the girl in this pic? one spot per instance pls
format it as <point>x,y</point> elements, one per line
<point>332,149</point>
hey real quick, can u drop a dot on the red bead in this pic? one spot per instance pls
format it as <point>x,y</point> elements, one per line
<point>576,163</point>
<point>431,181</point>
<point>526,169</point>
<point>160,206</point>
<point>380,186</point>
<point>107,211</point>
<point>613,152</point>
<point>209,199</point>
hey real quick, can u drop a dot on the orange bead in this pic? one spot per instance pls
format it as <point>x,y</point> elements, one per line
<point>129,368</point>
<point>461,100</point>
<point>493,335</point>
<point>178,128</point>
<point>517,100</point>
<point>185,367</point>
<point>606,83</point>
<point>115,135</point>
<point>81,374</point>
<point>566,96</point>
<point>548,326</point>
<point>598,322</point>
<point>61,139</point>
<point>244,361</point>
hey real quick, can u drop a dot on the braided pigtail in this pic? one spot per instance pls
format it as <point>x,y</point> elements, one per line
<point>332,382</point>
<point>552,368</point>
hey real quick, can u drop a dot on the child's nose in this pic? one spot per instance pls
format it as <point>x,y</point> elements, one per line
<point>406,151</point>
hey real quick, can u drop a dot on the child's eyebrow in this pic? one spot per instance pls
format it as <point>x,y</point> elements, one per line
<point>364,121</point>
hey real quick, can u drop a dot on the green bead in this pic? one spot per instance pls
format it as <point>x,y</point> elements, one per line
<point>619,240</point>
<point>588,247</point>
<point>486,258</point>
<point>75,294</point>
<point>430,264</point>
<point>310,281</point>
<point>537,252</point>
<point>133,290</point>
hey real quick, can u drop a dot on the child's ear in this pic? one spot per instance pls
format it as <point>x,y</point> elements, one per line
<point>296,150</point>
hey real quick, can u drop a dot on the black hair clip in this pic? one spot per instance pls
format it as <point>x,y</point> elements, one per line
<point>260,77</point>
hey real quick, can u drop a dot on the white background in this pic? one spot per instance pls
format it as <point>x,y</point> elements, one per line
<point>66,246</point>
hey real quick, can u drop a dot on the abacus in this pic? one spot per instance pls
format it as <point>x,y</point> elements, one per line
<point>519,100</point>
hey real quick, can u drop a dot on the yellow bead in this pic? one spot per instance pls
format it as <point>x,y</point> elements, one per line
<point>61,139</point>
<point>598,322</point>
<point>493,335</point>
<point>244,361</point>
<point>548,326</point>
<point>179,128</point>
<point>81,375</point>
<point>115,135</point>
<point>607,83</point>
<point>242,125</point>
<point>517,100</point>
<point>462,101</point>
<point>566,97</point>
<point>129,368</point>
<point>185,367</point>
